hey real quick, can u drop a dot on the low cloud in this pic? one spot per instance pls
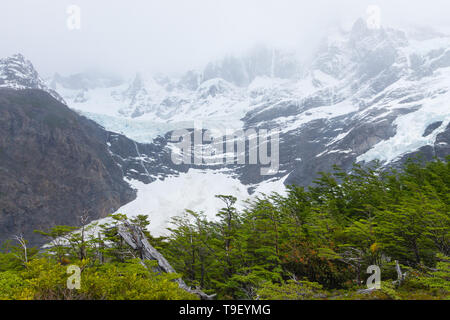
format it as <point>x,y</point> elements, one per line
<point>175,35</point>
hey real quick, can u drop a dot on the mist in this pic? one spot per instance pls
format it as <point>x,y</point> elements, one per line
<point>172,36</point>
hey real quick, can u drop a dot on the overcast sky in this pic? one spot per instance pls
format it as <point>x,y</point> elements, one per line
<point>175,35</point>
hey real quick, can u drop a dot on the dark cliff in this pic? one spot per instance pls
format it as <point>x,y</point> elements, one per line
<point>54,166</point>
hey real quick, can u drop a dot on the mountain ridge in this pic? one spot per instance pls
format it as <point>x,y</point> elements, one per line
<point>54,166</point>
<point>366,95</point>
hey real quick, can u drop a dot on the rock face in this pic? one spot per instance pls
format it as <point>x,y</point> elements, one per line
<point>54,166</point>
<point>18,73</point>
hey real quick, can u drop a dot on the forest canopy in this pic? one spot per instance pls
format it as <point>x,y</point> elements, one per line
<point>312,243</point>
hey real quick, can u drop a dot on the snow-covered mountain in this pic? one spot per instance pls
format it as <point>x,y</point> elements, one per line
<point>18,73</point>
<point>220,95</point>
<point>362,71</point>
<point>365,94</point>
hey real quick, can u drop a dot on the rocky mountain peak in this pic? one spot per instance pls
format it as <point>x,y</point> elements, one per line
<point>360,30</point>
<point>85,81</point>
<point>362,37</point>
<point>16,72</point>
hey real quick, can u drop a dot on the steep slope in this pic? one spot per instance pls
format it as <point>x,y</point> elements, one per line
<point>54,166</point>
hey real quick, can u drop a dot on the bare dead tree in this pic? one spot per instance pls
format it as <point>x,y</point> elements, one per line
<point>137,240</point>
<point>24,255</point>
<point>83,222</point>
<point>400,276</point>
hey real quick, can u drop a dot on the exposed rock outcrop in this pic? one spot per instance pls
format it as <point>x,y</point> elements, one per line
<point>54,166</point>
